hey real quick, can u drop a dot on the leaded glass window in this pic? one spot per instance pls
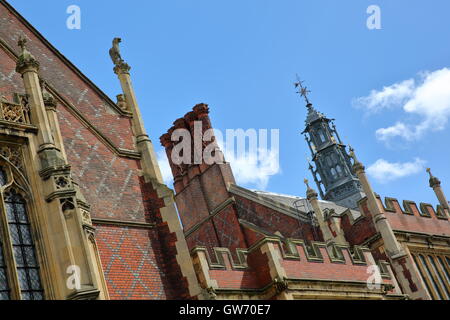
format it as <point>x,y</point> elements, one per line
<point>23,247</point>
<point>22,281</point>
<point>4,286</point>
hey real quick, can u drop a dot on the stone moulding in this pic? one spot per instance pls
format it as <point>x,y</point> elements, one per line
<point>289,251</point>
<point>122,223</point>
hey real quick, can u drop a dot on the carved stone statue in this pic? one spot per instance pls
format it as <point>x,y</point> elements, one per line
<point>120,66</point>
<point>121,102</point>
<point>114,52</point>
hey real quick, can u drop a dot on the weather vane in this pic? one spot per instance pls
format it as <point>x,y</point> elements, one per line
<point>303,91</point>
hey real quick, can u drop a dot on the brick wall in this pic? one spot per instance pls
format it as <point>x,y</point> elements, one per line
<point>274,221</point>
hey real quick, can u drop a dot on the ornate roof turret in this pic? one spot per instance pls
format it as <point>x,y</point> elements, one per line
<point>313,115</point>
<point>333,168</point>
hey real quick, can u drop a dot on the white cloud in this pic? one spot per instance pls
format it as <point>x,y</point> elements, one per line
<point>255,169</point>
<point>165,167</point>
<point>383,171</point>
<point>397,130</point>
<point>428,99</point>
<point>386,98</point>
<point>247,168</point>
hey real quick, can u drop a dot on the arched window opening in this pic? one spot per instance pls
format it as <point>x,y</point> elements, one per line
<point>322,136</point>
<point>17,242</point>
<point>333,173</point>
<point>339,170</point>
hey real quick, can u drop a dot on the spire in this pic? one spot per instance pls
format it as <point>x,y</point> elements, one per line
<point>333,165</point>
<point>303,91</point>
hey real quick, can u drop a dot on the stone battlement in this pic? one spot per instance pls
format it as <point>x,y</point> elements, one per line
<point>272,260</point>
<point>290,249</point>
<point>411,208</point>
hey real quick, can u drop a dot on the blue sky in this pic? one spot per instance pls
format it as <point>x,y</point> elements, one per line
<point>241,58</point>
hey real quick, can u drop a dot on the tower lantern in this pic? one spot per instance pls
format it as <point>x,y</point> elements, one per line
<point>332,170</point>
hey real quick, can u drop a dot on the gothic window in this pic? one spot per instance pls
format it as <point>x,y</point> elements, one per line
<point>19,278</point>
<point>434,275</point>
<point>333,173</point>
<point>444,269</point>
<point>339,170</point>
<point>438,276</point>
<point>322,136</point>
<point>421,273</point>
<point>335,158</point>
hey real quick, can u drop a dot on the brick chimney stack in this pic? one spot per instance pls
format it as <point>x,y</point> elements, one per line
<point>206,208</point>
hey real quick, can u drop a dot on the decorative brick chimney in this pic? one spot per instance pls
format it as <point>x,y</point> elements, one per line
<point>206,208</point>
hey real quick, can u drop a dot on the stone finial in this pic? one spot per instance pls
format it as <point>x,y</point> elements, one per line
<point>306,181</point>
<point>120,66</point>
<point>434,181</point>
<point>26,61</point>
<point>357,165</point>
<point>311,194</point>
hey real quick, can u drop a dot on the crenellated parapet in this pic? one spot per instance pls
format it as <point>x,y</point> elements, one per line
<point>416,217</point>
<point>405,215</point>
<point>411,208</point>
<point>274,266</point>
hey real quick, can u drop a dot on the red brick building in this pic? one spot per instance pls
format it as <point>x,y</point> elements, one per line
<point>261,245</point>
<point>85,214</point>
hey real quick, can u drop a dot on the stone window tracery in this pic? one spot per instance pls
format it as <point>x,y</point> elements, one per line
<point>20,274</point>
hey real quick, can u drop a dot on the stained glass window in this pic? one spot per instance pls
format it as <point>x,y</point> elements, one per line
<point>23,246</point>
